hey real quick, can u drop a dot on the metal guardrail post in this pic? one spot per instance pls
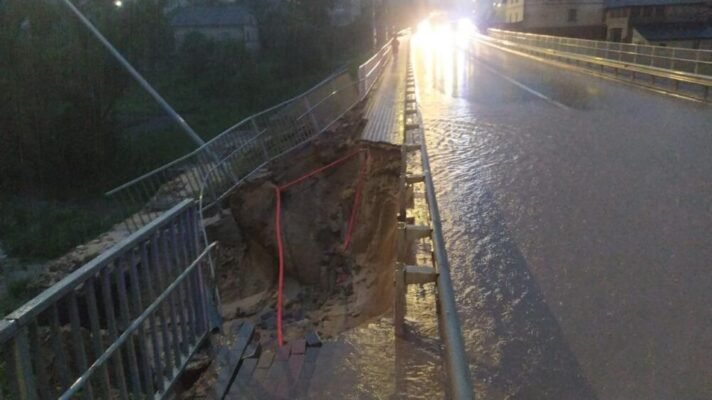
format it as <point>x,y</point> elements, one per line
<point>457,364</point>
<point>399,307</point>
<point>672,60</point>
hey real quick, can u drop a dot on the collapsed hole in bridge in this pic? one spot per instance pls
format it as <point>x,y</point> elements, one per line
<point>327,288</point>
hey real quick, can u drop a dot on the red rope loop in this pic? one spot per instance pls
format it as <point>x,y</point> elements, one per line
<point>278,222</point>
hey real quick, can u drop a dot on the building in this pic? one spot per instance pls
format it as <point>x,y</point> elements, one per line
<point>678,23</point>
<point>572,18</point>
<point>345,12</point>
<point>219,22</point>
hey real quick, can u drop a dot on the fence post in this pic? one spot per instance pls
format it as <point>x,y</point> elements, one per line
<point>26,385</point>
<point>314,122</point>
<point>399,308</point>
<point>259,139</point>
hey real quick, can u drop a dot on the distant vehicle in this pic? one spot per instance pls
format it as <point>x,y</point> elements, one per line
<point>450,21</point>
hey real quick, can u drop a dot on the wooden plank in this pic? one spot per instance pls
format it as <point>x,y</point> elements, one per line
<point>292,369</point>
<point>296,361</point>
<point>312,355</point>
<point>276,378</point>
<point>230,360</point>
<point>240,386</point>
<point>299,346</point>
<point>283,352</point>
<point>302,387</point>
<point>266,359</point>
<point>256,386</point>
<point>312,338</point>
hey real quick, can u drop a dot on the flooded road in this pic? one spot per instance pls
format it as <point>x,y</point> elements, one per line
<point>579,236</point>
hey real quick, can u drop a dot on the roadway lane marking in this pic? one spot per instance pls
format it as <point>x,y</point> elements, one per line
<point>518,84</point>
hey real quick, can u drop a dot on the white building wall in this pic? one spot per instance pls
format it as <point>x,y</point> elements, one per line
<point>557,13</point>
<point>617,23</point>
<point>514,11</point>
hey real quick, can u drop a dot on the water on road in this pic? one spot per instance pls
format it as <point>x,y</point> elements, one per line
<point>579,238</point>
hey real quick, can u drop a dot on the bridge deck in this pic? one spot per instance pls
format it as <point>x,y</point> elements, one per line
<point>385,107</point>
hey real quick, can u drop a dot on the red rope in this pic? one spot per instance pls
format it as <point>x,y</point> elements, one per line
<point>278,223</point>
<point>280,249</point>
<point>357,200</point>
<point>320,169</point>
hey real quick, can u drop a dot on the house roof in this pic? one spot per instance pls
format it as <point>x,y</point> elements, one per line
<point>632,3</point>
<point>688,31</point>
<point>212,16</point>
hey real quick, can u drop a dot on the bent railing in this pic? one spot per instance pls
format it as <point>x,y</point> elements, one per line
<point>237,152</point>
<point>369,71</point>
<point>693,61</point>
<point>149,195</point>
<point>122,326</point>
<point>305,125</point>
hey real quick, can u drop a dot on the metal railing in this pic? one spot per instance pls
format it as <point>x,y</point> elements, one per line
<point>692,61</point>
<point>683,84</point>
<point>302,127</point>
<point>122,326</point>
<point>370,71</point>
<point>224,162</point>
<point>302,124</point>
<point>455,357</point>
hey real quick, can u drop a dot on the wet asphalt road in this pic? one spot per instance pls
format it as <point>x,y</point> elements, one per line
<point>579,236</point>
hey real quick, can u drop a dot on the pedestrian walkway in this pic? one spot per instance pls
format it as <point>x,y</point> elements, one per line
<point>366,362</point>
<point>384,111</point>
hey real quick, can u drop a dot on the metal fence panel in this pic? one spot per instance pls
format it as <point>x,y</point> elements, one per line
<point>694,61</point>
<point>209,172</point>
<point>121,326</point>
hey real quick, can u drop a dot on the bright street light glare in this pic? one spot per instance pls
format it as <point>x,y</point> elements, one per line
<point>424,27</point>
<point>466,27</point>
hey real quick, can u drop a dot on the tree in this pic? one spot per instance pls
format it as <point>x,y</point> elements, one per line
<point>58,91</point>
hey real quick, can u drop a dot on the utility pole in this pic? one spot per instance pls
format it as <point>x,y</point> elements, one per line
<point>135,74</point>
<point>374,30</point>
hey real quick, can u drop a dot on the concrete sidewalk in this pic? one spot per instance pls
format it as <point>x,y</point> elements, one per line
<point>384,111</point>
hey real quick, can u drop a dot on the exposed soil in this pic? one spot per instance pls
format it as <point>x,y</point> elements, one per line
<point>328,289</point>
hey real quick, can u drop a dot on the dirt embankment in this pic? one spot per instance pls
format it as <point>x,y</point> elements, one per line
<point>328,288</point>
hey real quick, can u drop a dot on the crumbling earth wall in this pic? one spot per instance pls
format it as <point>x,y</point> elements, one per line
<point>329,288</point>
